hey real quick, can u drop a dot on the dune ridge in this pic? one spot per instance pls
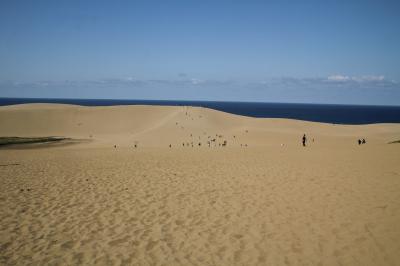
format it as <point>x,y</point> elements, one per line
<point>145,124</point>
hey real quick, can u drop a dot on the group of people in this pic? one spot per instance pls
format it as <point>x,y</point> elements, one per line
<point>304,141</point>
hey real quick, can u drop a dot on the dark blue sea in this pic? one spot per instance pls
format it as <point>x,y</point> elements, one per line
<point>328,113</point>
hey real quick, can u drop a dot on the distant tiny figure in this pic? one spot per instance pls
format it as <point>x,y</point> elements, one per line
<point>304,140</point>
<point>359,141</point>
<point>115,146</point>
<point>363,141</point>
<point>135,145</point>
<point>170,145</point>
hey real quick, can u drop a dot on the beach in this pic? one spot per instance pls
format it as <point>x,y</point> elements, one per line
<point>163,185</point>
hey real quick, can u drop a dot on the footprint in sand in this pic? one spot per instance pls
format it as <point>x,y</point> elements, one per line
<point>151,244</point>
<point>67,245</point>
<point>119,241</point>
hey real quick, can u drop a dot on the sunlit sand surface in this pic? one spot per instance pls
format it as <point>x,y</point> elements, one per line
<point>263,199</point>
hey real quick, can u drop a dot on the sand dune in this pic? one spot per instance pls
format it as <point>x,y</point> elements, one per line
<point>261,200</point>
<point>145,124</point>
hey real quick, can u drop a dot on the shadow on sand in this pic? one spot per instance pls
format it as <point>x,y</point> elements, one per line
<point>37,142</point>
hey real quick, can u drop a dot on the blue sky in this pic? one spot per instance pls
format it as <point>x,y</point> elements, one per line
<point>272,51</point>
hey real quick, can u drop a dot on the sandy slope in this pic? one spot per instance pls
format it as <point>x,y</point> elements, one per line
<point>331,203</point>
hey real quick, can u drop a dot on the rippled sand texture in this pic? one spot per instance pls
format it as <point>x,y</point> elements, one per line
<point>332,203</point>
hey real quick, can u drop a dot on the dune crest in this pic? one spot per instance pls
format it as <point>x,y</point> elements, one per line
<point>176,124</point>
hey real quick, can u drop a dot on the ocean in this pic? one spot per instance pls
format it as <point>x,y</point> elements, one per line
<point>327,113</point>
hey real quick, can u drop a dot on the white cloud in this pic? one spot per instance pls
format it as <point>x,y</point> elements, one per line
<point>338,78</point>
<point>369,78</point>
<point>366,78</point>
<point>129,78</point>
<point>196,81</point>
<point>331,82</point>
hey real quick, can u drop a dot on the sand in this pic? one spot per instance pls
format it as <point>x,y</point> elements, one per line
<point>261,200</point>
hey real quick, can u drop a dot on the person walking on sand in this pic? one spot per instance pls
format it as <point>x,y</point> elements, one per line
<point>304,140</point>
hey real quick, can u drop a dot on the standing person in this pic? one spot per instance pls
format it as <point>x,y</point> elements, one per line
<point>304,140</point>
